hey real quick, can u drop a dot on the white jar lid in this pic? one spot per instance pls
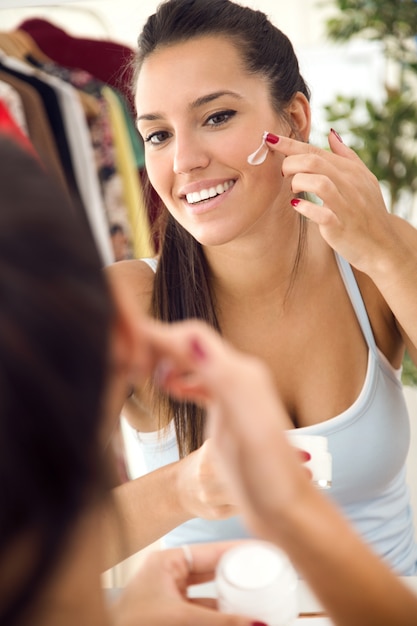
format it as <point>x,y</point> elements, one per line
<point>257,579</point>
<point>253,566</point>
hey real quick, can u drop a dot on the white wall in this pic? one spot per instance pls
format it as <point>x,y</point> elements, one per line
<point>328,69</point>
<point>302,20</point>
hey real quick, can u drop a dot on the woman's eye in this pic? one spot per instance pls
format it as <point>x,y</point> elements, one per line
<point>157,138</point>
<point>220,118</point>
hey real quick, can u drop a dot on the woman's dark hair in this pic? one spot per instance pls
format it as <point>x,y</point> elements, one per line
<point>55,315</point>
<point>182,283</point>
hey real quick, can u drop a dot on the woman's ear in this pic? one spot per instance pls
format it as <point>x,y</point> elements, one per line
<point>299,112</point>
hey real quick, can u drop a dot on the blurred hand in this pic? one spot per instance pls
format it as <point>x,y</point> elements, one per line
<point>202,487</point>
<point>156,596</point>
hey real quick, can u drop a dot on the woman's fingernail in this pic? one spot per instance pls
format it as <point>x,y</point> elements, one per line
<point>258,624</point>
<point>304,455</point>
<point>336,134</point>
<point>198,351</point>
<point>295,202</point>
<point>271,138</point>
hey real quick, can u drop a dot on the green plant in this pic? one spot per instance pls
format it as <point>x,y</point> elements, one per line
<point>394,22</point>
<point>384,134</point>
<point>409,373</point>
<point>385,140</point>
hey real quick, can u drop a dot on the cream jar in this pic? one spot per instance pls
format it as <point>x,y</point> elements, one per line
<point>257,580</point>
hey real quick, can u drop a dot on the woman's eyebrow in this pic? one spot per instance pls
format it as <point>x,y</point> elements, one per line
<point>150,117</point>
<point>213,96</point>
<point>195,104</point>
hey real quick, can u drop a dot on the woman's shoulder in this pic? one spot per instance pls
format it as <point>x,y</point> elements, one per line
<point>136,275</point>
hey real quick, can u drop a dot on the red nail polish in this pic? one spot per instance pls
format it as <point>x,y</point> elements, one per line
<point>271,138</point>
<point>304,455</point>
<point>198,350</point>
<point>258,624</point>
<point>336,134</point>
<point>295,202</point>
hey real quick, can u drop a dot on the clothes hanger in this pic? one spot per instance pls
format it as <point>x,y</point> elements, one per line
<point>10,46</point>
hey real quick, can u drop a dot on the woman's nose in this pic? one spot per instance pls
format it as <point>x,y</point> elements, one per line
<point>189,155</point>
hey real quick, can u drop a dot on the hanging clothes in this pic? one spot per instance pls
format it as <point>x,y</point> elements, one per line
<point>110,64</point>
<point>66,117</point>
<point>109,61</point>
<point>9,126</point>
<point>49,98</point>
<point>103,143</point>
<point>12,100</point>
<point>107,141</point>
<point>139,219</point>
<point>37,125</point>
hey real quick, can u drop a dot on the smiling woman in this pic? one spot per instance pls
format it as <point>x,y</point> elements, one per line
<point>307,296</point>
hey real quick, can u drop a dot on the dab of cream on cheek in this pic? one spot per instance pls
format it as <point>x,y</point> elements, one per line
<point>259,156</point>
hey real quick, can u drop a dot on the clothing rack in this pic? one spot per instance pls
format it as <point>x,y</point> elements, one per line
<point>79,89</point>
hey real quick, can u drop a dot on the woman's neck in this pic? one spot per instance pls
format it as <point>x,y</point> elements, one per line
<point>259,265</point>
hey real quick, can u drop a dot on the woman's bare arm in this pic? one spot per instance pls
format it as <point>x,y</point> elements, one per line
<point>140,512</point>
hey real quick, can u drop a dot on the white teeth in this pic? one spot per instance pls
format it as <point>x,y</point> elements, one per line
<point>211,192</point>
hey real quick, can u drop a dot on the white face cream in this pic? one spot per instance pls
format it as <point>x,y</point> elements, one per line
<point>320,463</point>
<point>257,580</point>
<point>259,156</point>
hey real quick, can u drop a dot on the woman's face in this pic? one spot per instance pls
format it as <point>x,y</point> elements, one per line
<point>201,114</point>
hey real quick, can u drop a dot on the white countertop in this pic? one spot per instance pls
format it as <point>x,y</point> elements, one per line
<point>311,611</point>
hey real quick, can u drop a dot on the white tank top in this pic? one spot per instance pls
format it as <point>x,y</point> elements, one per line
<point>368,443</point>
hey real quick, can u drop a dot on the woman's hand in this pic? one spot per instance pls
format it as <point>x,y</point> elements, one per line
<point>202,488</point>
<point>353,218</point>
<point>156,596</point>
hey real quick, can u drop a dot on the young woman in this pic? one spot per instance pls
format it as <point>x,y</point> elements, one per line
<point>68,346</point>
<point>310,289</point>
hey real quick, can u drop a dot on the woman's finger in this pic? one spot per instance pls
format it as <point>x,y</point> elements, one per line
<point>289,147</point>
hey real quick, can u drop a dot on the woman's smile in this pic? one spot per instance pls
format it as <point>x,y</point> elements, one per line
<point>206,193</point>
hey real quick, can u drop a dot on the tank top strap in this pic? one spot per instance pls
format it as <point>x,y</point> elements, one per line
<point>151,261</point>
<point>357,301</point>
